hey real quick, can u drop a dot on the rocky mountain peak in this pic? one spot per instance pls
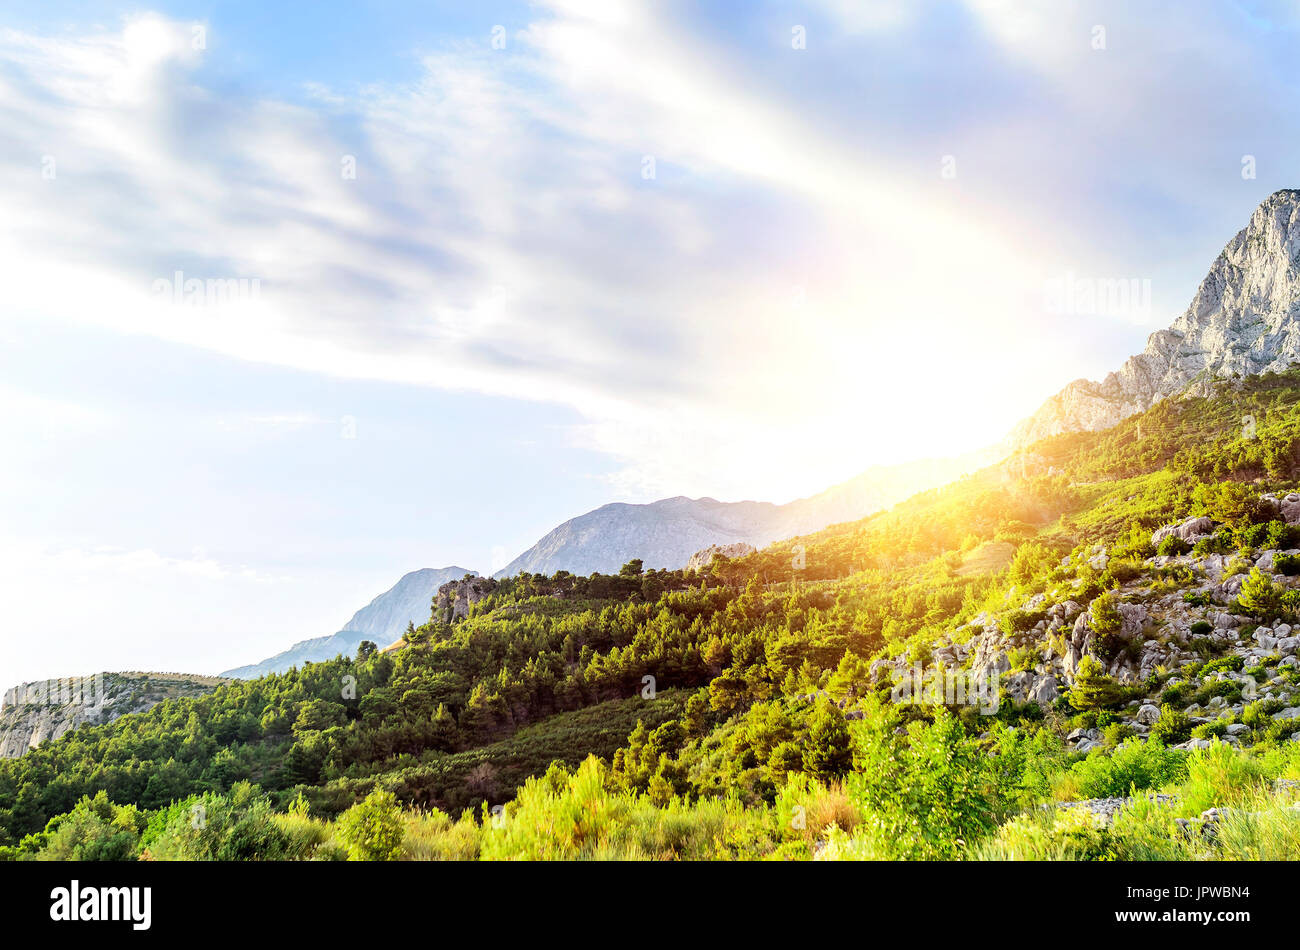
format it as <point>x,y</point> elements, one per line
<point>1244,320</point>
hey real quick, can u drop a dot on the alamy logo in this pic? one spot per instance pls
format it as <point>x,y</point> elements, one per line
<point>134,904</point>
<point>212,292</point>
<point>1099,296</point>
<point>943,687</point>
<point>69,691</point>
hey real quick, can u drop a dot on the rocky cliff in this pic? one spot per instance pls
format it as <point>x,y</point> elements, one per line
<point>37,712</point>
<point>1244,319</point>
<point>702,559</point>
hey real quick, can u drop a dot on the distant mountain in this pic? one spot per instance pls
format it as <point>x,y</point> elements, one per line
<point>1244,320</point>
<point>664,534</point>
<point>382,621</point>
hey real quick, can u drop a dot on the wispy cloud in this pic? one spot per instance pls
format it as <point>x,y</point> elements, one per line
<point>618,212</point>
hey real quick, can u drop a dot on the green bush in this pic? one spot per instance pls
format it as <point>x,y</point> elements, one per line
<point>372,830</point>
<point>1106,621</point>
<point>923,793</point>
<point>1133,765</point>
<point>1209,730</point>
<point>1175,695</point>
<point>1172,727</point>
<point>1020,621</point>
<point>238,827</point>
<point>1093,687</point>
<point>1173,545</point>
<point>1215,544</point>
<point>1288,564</point>
<point>95,830</point>
<point>1261,597</point>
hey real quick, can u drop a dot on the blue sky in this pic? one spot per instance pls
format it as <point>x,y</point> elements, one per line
<point>634,250</point>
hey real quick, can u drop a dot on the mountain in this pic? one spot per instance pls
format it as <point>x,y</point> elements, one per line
<point>665,533</point>
<point>382,621</point>
<point>1244,320</point>
<point>33,713</point>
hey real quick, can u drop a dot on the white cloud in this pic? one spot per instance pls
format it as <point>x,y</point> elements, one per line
<point>774,284</point>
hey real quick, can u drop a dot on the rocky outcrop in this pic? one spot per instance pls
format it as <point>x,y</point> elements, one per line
<point>1244,320</point>
<point>702,559</point>
<point>1035,649</point>
<point>455,598</point>
<point>38,712</point>
<point>1193,529</point>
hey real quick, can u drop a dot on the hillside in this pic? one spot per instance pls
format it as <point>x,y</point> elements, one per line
<point>381,621</point>
<point>1115,607</point>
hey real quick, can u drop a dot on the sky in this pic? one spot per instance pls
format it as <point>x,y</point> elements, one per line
<point>299,297</point>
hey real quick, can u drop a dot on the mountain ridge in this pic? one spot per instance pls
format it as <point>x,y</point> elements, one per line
<point>1244,319</point>
<point>665,533</point>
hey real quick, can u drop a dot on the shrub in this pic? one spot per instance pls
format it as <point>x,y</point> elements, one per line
<point>1023,658</point>
<point>1174,695</point>
<point>1233,663</point>
<point>1218,776</point>
<point>1288,564</point>
<point>1133,765</point>
<point>1281,535</point>
<point>1115,733</point>
<point>1173,545</point>
<point>1260,597</point>
<point>95,830</point>
<point>1253,715</point>
<point>828,750</point>
<point>923,794</point>
<point>1172,727</point>
<point>1120,572</point>
<point>1093,687</point>
<point>237,827</point>
<point>1215,544</point>
<point>372,830</point>
<point>1019,621</point>
<point>1106,621</point>
<point>1201,628</point>
<point>1210,730</point>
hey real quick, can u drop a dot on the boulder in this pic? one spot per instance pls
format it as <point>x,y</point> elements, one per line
<point>1193,529</point>
<point>1148,714</point>
<point>1046,689</point>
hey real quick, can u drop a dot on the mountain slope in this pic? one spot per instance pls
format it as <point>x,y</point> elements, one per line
<point>665,533</point>
<point>1244,319</point>
<point>381,621</point>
